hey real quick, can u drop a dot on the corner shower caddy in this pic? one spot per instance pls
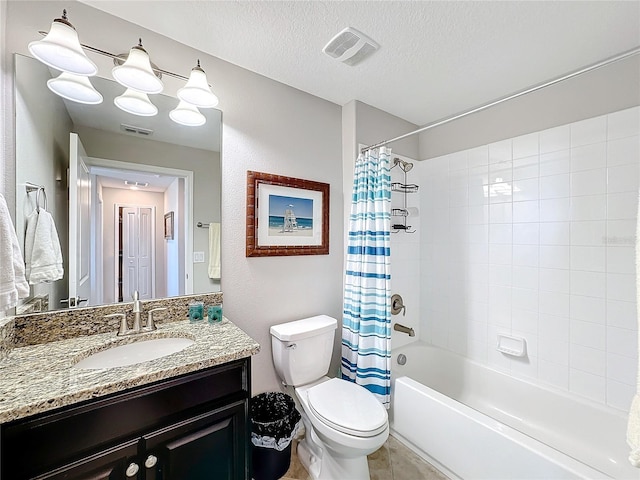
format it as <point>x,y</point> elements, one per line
<point>404,188</point>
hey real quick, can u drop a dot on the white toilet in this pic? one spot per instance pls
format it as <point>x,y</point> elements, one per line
<point>343,421</point>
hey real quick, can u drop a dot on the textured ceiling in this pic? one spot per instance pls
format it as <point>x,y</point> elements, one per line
<point>437,58</point>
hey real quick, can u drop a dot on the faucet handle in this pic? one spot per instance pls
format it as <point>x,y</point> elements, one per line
<point>150,322</point>
<point>124,328</point>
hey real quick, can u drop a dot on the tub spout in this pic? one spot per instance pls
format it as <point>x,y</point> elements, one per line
<point>404,329</point>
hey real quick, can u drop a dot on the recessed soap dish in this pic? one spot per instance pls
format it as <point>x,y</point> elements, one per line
<point>510,345</point>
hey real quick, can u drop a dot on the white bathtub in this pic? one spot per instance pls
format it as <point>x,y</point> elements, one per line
<point>477,423</point>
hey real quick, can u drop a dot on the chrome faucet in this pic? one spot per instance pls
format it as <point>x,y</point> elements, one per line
<point>136,312</point>
<point>137,325</point>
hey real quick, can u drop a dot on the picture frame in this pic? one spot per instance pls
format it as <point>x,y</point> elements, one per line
<point>168,226</point>
<point>286,216</point>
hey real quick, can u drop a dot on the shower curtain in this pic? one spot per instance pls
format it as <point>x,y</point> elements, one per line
<point>366,320</point>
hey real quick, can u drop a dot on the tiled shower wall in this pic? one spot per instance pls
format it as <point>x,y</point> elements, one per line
<point>534,236</point>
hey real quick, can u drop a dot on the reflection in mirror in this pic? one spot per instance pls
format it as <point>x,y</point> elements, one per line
<point>140,186</point>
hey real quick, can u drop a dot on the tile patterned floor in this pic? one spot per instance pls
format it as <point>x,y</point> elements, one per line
<point>393,461</point>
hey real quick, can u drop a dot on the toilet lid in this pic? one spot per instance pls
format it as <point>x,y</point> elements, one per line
<point>348,407</point>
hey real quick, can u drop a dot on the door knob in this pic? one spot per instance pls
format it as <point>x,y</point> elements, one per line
<point>132,470</point>
<point>150,461</point>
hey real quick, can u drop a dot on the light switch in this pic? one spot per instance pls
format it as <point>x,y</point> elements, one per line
<point>198,257</point>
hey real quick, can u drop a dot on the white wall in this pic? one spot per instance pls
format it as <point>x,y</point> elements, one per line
<point>534,236</point>
<point>268,127</point>
<point>175,279</point>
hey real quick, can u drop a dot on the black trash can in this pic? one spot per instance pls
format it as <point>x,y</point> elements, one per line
<point>274,423</point>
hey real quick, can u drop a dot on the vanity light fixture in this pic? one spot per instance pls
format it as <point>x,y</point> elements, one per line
<point>76,88</point>
<point>136,72</point>
<point>197,91</point>
<point>135,102</point>
<point>61,49</point>
<point>187,114</point>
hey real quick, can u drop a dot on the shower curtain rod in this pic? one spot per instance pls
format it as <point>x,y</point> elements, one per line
<point>607,61</point>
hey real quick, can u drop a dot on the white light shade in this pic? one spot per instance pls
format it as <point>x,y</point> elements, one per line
<point>187,114</point>
<point>136,103</point>
<point>136,72</point>
<point>61,50</point>
<point>76,88</point>
<point>197,91</point>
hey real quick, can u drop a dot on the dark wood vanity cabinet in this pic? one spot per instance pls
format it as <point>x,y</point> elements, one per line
<point>190,427</point>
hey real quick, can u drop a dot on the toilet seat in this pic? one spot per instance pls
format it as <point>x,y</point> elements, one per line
<point>348,408</point>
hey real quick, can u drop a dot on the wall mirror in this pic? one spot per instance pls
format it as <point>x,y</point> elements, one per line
<point>145,191</point>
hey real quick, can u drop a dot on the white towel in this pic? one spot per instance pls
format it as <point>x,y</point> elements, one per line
<point>13,284</point>
<point>214,251</point>
<point>42,249</point>
<point>633,425</point>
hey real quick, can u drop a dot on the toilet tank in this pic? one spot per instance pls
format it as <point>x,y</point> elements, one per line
<point>302,349</point>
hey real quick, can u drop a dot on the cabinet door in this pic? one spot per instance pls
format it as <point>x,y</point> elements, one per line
<point>117,463</point>
<point>210,446</point>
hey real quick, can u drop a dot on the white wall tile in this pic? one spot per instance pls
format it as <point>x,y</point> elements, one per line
<point>500,275</point>
<point>524,299</point>
<point>589,157</point>
<point>501,213</point>
<point>525,145</point>
<point>554,139</point>
<point>501,233</point>
<point>588,284</point>
<point>555,210</point>
<point>500,151</point>
<point>552,256</point>
<point>501,172</point>
<point>478,156</point>
<point>588,309</point>
<point>588,258</point>
<point>529,211</point>
<point>587,385</point>
<point>526,255</point>
<point>525,321</point>
<point>623,151</point>
<point>500,254</point>
<point>619,395</point>
<point>555,163</point>
<point>588,334</point>
<point>554,350</point>
<point>624,123</point>
<point>555,186</point>
<point>526,233</point>
<point>621,369</point>
<point>622,206</point>
<point>478,214</point>
<point>555,233</point>
<point>589,182</point>
<point>622,314</point>
<point>622,342</point>
<point>478,233</point>
<point>590,233</point>
<point>589,207</point>
<point>524,277</point>
<point>589,131</point>
<point>524,190</point>
<point>557,328</point>
<point>527,167</point>
<point>555,280</point>
<point>553,303</point>
<point>621,260</point>
<point>623,178</point>
<point>621,286</point>
<point>587,359</point>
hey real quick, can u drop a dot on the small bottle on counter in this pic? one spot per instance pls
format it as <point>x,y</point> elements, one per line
<point>214,313</point>
<point>196,311</point>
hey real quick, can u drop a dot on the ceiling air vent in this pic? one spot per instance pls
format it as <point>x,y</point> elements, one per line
<point>136,130</point>
<point>350,46</point>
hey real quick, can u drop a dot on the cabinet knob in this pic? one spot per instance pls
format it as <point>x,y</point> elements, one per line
<point>132,470</point>
<point>151,461</point>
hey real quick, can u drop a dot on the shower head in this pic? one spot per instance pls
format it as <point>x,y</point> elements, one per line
<point>405,166</point>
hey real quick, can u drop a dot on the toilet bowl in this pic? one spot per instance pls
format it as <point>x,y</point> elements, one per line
<point>344,422</point>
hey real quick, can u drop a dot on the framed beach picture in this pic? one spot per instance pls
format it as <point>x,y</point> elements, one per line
<point>286,216</point>
<point>168,226</point>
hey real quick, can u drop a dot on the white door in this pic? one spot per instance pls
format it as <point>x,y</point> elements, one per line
<point>137,252</point>
<point>79,225</point>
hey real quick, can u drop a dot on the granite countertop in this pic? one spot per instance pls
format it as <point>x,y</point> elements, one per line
<point>38,378</point>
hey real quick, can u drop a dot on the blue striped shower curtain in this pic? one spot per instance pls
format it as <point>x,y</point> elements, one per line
<point>366,319</point>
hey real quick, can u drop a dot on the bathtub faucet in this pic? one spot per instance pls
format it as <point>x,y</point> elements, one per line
<point>404,329</point>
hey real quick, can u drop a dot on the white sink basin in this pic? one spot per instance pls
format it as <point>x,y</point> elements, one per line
<point>132,353</point>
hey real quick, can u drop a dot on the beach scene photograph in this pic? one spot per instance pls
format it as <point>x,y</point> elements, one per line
<point>290,216</point>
